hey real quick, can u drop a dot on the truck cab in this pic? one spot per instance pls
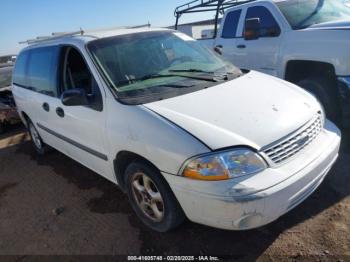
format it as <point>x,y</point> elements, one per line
<point>304,42</point>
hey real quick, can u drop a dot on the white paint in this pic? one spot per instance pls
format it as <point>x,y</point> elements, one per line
<point>183,36</point>
<point>328,42</point>
<point>253,110</point>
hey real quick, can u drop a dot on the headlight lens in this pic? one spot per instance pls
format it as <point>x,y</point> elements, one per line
<point>224,165</point>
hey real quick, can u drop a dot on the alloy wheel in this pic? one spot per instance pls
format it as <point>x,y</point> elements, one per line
<point>147,197</point>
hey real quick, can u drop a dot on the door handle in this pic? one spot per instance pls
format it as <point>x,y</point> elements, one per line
<point>59,112</point>
<point>241,46</point>
<point>218,48</point>
<point>46,107</point>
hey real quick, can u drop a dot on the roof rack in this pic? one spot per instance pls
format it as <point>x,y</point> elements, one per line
<point>57,35</point>
<point>52,37</point>
<point>198,6</point>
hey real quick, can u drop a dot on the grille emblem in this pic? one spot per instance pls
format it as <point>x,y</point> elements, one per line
<point>303,140</point>
<point>289,147</point>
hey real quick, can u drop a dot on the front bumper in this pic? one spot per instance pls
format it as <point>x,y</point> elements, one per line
<point>257,200</point>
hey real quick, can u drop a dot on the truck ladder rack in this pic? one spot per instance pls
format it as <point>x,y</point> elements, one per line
<point>198,6</point>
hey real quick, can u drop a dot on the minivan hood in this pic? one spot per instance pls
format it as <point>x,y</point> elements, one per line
<point>254,110</point>
<point>334,25</point>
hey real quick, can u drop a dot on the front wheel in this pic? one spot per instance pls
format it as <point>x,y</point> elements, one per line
<point>325,91</point>
<point>151,198</point>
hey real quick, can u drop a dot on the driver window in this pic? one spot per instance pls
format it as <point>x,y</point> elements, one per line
<point>76,74</point>
<point>268,25</point>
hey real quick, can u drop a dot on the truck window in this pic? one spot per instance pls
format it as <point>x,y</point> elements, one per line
<point>231,24</point>
<point>42,71</point>
<point>19,74</point>
<point>268,25</point>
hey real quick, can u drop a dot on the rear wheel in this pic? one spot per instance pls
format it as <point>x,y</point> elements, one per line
<point>37,141</point>
<point>151,198</point>
<point>325,91</point>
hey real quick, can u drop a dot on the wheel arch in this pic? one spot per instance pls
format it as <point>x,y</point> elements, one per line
<point>122,160</point>
<point>25,118</point>
<point>297,70</point>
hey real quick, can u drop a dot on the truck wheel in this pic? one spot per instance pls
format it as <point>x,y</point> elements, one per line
<point>325,91</point>
<point>151,198</point>
<point>2,128</point>
<point>40,147</point>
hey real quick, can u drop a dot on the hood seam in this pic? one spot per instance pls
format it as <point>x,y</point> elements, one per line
<point>173,123</point>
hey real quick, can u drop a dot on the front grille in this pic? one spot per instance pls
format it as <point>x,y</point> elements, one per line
<point>290,146</point>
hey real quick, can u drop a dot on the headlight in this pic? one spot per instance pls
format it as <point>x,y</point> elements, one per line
<point>224,165</point>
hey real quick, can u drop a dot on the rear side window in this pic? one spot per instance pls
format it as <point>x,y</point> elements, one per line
<point>19,74</point>
<point>42,70</point>
<point>231,24</point>
<point>268,25</point>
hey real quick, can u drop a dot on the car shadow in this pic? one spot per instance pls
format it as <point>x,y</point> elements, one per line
<point>191,238</point>
<point>14,135</point>
<point>12,130</point>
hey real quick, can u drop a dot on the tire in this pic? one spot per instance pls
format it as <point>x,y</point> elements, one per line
<point>325,91</point>
<point>169,214</point>
<point>2,128</point>
<point>40,147</point>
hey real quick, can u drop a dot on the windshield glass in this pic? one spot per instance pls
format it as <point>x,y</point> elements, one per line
<point>5,76</point>
<point>149,66</point>
<point>304,13</point>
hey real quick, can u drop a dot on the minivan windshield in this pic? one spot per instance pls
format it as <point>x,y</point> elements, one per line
<point>5,76</point>
<point>150,66</point>
<point>304,13</point>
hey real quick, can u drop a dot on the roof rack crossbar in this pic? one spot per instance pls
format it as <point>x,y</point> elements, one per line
<point>52,37</point>
<point>57,35</point>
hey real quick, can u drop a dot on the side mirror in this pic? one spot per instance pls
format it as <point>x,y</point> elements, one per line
<point>74,97</point>
<point>252,29</point>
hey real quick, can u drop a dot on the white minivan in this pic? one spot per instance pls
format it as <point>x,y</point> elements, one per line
<point>181,131</point>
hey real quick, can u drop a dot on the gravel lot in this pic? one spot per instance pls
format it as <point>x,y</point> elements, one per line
<point>52,205</point>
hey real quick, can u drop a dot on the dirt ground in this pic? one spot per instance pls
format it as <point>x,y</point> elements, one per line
<point>52,205</point>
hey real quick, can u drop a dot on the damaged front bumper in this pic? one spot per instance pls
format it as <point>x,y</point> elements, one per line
<point>254,201</point>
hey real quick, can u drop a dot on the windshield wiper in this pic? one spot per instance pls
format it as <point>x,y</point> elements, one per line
<point>191,70</point>
<point>218,75</point>
<point>153,76</point>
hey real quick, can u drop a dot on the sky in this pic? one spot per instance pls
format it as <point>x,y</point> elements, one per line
<point>26,19</point>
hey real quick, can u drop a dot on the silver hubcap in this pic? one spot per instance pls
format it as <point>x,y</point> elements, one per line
<point>147,197</point>
<point>35,136</point>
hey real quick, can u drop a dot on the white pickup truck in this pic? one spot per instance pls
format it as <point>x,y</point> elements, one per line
<point>306,42</point>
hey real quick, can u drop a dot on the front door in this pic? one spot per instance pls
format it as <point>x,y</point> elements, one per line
<point>261,54</point>
<point>228,38</point>
<point>80,130</point>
